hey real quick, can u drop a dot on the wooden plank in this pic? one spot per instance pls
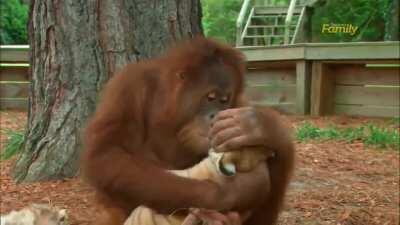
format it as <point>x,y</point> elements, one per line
<point>363,62</point>
<point>360,75</point>
<point>273,53</point>
<point>351,51</point>
<point>322,88</point>
<point>376,111</point>
<point>14,53</point>
<point>271,76</point>
<point>274,94</point>
<point>14,74</point>
<point>303,83</point>
<point>370,65</point>
<point>289,64</point>
<point>288,108</point>
<point>14,89</point>
<point>367,95</point>
<point>325,51</point>
<point>13,103</point>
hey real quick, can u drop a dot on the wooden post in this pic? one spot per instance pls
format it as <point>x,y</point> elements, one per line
<point>303,83</point>
<point>322,88</point>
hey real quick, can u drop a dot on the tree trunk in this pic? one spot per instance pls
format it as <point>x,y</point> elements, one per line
<point>75,47</point>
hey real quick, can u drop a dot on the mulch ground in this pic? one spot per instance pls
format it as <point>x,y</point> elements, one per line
<point>336,183</point>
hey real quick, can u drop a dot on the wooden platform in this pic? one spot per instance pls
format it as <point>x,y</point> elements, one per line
<point>330,78</point>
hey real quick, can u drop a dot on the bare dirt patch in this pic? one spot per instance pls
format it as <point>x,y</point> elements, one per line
<point>336,183</point>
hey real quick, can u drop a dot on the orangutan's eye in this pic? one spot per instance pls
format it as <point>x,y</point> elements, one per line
<point>224,99</point>
<point>211,96</point>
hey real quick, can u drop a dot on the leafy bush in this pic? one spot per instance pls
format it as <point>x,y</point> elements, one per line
<point>13,22</point>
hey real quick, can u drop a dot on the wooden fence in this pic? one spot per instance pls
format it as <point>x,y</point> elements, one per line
<point>14,80</point>
<point>316,79</point>
<point>327,78</point>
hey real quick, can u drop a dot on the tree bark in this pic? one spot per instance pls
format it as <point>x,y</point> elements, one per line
<point>75,47</point>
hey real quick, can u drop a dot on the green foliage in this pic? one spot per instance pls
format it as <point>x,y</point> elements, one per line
<point>382,137</point>
<point>219,19</point>
<point>368,15</point>
<point>308,131</point>
<point>369,134</point>
<point>13,22</point>
<point>352,134</point>
<point>14,144</point>
<point>396,121</point>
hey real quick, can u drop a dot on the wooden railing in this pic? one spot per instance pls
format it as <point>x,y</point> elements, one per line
<point>14,78</point>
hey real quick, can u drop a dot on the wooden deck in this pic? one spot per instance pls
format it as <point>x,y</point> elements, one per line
<point>328,78</point>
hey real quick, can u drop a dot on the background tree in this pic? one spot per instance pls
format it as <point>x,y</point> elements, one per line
<point>370,16</point>
<point>219,19</point>
<point>75,47</point>
<point>392,16</point>
<point>13,19</point>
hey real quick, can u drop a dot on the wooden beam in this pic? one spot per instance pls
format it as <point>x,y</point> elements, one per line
<point>274,53</point>
<point>344,51</point>
<point>364,62</point>
<point>325,51</point>
<point>346,74</point>
<point>303,83</point>
<point>14,103</point>
<point>367,95</point>
<point>367,110</point>
<point>14,74</point>
<point>259,65</point>
<point>288,108</point>
<point>271,76</point>
<point>14,89</point>
<point>14,53</point>
<point>322,89</point>
<point>273,94</point>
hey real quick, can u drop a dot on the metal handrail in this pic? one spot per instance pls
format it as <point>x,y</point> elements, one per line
<point>244,33</point>
<point>288,20</point>
<point>240,20</point>
<point>296,32</point>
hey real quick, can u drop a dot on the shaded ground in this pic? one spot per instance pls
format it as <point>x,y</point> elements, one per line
<point>336,183</point>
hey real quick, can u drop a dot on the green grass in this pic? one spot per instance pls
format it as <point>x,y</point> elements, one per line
<point>396,121</point>
<point>13,145</point>
<point>369,134</point>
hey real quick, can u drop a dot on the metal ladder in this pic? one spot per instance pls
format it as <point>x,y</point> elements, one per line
<point>269,25</point>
